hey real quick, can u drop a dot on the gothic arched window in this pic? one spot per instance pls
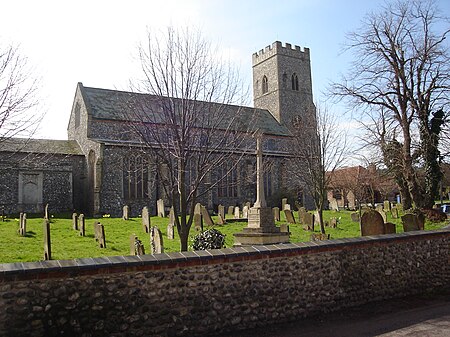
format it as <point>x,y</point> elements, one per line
<point>265,85</point>
<point>135,178</point>
<point>294,79</point>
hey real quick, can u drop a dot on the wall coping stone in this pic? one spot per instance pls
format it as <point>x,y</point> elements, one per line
<point>113,264</point>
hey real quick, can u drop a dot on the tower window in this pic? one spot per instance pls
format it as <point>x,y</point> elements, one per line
<point>294,79</point>
<point>265,85</point>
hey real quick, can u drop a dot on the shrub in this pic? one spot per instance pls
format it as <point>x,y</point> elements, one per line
<point>209,239</point>
<point>434,215</point>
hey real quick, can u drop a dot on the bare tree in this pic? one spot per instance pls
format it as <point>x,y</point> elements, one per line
<point>318,148</point>
<point>18,89</point>
<point>187,124</point>
<point>401,74</point>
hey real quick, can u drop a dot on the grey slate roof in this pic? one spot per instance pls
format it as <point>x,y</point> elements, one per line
<point>117,105</point>
<point>50,146</point>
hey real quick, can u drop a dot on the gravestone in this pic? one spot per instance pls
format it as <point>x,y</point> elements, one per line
<point>198,208</point>
<point>75,221</point>
<point>145,219</point>
<point>412,222</point>
<point>333,223</point>
<point>387,206</point>
<point>379,208</point>
<point>287,207</point>
<point>308,220</point>
<point>82,225</point>
<point>355,216</point>
<point>206,217</point>
<point>136,246</point>
<point>171,231</point>
<point>23,224</point>
<point>237,212</point>
<point>125,212</point>
<point>156,241</point>
<point>284,228</point>
<point>276,213</point>
<point>221,211</point>
<point>284,201</point>
<point>316,219</point>
<point>100,234</point>
<point>399,207</point>
<point>372,223</point>
<point>394,212</point>
<point>198,222</point>
<point>301,215</point>
<point>383,214</point>
<point>220,220</point>
<point>319,237</point>
<point>289,216</point>
<point>160,208</point>
<point>245,212</point>
<point>47,241</point>
<point>334,205</point>
<point>172,216</point>
<point>46,212</point>
<point>389,228</point>
<point>248,204</point>
<point>230,210</point>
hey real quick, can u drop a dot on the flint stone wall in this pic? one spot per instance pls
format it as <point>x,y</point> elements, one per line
<point>208,292</point>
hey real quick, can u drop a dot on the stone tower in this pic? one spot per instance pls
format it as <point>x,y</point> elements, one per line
<point>282,83</point>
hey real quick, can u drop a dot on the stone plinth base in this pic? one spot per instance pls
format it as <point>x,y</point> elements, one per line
<point>261,229</point>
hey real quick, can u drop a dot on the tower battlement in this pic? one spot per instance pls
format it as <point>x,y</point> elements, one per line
<point>278,48</point>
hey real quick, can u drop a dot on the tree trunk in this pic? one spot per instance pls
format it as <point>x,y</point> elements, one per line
<point>322,225</point>
<point>409,172</point>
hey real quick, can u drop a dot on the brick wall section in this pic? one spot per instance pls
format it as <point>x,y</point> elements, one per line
<point>207,292</point>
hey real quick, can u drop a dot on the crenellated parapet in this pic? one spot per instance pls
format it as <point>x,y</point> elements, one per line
<point>278,48</point>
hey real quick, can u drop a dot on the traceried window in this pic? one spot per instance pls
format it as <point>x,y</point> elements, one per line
<point>135,177</point>
<point>265,85</point>
<point>227,187</point>
<point>294,80</point>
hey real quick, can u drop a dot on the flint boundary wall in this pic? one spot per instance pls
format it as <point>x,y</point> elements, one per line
<point>210,292</point>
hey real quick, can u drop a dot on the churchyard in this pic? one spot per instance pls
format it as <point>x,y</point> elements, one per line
<point>68,243</point>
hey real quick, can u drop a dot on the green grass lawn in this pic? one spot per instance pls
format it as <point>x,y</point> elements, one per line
<point>67,244</point>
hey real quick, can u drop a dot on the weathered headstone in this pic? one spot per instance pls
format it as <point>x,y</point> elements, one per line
<point>284,228</point>
<point>46,212</point>
<point>289,216</point>
<point>245,212</point>
<point>379,208</point>
<point>389,228</point>
<point>221,211</point>
<point>136,246</point>
<point>145,219</point>
<point>248,204</point>
<point>333,222</point>
<point>372,223</point>
<point>23,224</point>
<point>206,217</point>
<point>82,225</point>
<point>100,234</point>
<point>394,212</point>
<point>411,222</point>
<point>355,216</point>
<point>160,208</point>
<point>301,215</point>
<point>170,231</point>
<point>75,221</point>
<point>172,216</point>
<point>316,219</point>
<point>237,212</point>
<point>386,206</point>
<point>276,213</point>
<point>334,205</point>
<point>156,241</point>
<point>47,241</point>
<point>287,207</point>
<point>126,212</point>
<point>399,207</point>
<point>198,208</point>
<point>230,210</point>
<point>319,237</point>
<point>284,201</point>
<point>308,220</point>
<point>220,220</point>
<point>198,222</point>
<point>383,215</point>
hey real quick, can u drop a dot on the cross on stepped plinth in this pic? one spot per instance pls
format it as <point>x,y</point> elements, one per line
<point>261,229</point>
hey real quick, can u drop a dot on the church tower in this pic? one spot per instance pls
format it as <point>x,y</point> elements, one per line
<point>282,83</point>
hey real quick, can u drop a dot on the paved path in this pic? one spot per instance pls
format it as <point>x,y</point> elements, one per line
<point>412,317</point>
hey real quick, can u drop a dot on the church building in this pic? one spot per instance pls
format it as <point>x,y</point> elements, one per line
<point>86,172</point>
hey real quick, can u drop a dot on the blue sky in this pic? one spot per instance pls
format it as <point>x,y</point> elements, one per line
<point>95,41</point>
